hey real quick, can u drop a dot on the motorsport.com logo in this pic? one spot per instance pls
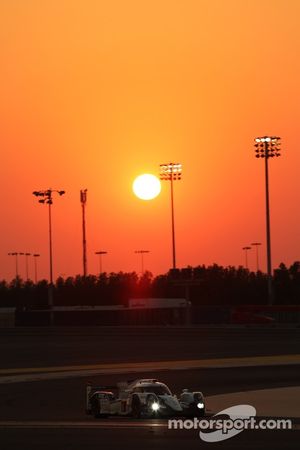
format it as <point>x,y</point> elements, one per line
<point>238,418</point>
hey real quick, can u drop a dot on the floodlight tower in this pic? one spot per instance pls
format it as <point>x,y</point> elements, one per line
<point>268,147</point>
<point>21,253</point>
<point>256,245</point>
<point>35,255</point>
<point>142,253</point>
<point>246,255</point>
<point>83,198</point>
<point>47,198</point>
<point>100,253</point>
<point>16,261</point>
<point>26,262</point>
<point>171,172</point>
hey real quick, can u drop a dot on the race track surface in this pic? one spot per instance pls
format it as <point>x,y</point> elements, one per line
<point>49,414</point>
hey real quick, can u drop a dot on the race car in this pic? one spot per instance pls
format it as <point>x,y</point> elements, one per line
<point>145,397</point>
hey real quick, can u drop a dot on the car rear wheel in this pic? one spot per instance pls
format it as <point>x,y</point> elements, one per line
<point>97,411</point>
<point>136,407</point>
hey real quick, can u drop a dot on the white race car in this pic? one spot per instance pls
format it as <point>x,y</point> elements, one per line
<point>142,398</point>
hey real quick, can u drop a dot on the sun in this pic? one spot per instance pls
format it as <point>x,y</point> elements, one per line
<point>146,186</point>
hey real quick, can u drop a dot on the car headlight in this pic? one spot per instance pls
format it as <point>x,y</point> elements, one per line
<point>155,406</point>
<point>200,405</point>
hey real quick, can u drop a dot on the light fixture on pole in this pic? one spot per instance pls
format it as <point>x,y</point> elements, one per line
<point>83,198</point>
<point>246,255</point>
<point>256,245</point>
<point>16,262</point>
<point>47,198</point>
<point>171,172</point>
<point>35,255</point>
<point>142,253</point>
<point>268,147</point>
<point>100,253</point>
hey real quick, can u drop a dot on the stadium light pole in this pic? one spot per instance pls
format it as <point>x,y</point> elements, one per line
<point>246,255</point>
<point>268,147</point>
<point>142,253</point>
<point>26,263</point>
<point>100,253</point>
<point>21,254</point>
<point>171,172</point>
<point>35,256</point>
<point>83,198</point>
<point>16,262</point>
<point>256,245</point>
<point>47,198</point>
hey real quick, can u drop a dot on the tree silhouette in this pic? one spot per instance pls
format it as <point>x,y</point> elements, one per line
<point>206,286</point>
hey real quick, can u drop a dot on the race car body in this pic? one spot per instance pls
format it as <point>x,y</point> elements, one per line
<point>142,398</point>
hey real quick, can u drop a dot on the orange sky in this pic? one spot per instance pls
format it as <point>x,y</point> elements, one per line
<point>94,93</point>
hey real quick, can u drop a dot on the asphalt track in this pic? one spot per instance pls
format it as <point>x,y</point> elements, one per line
<point>141,438</point>
<point>65,399</point>
<point>40,347</point>
<point>49,414</point>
